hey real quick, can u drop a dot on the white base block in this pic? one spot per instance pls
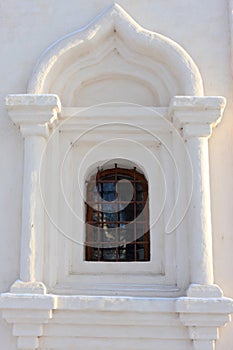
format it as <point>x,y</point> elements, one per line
<point>20,287</point>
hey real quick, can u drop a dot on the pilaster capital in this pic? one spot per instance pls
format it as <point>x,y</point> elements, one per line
<point>34,114</point>
<point>196,116</point>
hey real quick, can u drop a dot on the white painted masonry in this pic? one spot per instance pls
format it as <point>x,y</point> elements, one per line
<point>53,299</point>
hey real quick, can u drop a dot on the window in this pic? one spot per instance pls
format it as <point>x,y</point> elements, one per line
<point>117,218</point>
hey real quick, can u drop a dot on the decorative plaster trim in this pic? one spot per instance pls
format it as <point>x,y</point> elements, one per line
<point>115,19</point>
<point>33,111</point>
<point>38,326</point>
<point>198,111</point>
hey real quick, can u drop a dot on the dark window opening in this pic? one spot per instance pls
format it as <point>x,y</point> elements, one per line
<point>117,217</point>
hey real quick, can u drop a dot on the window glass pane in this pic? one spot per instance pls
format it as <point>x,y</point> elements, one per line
<point>116,230</point>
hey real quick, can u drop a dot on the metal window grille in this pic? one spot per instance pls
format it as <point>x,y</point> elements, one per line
<point>117,217</point>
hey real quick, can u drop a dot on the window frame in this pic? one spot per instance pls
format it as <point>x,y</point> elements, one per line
<point>100,178</point>
<point>76,274</point>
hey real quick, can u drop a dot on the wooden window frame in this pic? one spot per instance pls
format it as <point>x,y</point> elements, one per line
<point>135,177</point>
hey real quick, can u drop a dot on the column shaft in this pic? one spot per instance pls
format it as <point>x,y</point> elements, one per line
<point>200,217</point>
<point>31,263</point>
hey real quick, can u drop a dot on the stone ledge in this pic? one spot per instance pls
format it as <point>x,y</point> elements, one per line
<point>32,318</point>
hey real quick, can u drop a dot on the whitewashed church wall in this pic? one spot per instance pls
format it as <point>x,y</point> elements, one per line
<point>202,28</point>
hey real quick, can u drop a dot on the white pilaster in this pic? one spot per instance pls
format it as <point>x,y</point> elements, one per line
<point>195,117</point>
<point>34,114</point>
<point>199,212</point>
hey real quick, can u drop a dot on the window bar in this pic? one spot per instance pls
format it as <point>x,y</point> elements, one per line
<point>102,177</point>
<point>101,239</point>
<point>89,236</point>
<point>135,216</point>
<point>146,222</point>
<point>98,214</point>
<point>117,214</point>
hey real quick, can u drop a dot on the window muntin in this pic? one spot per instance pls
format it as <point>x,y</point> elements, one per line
<point>117,217</point>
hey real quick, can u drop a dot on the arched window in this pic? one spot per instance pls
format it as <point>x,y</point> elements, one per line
<point>117,217</point>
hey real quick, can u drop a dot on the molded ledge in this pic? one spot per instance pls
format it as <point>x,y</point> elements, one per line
<point>37,327</point>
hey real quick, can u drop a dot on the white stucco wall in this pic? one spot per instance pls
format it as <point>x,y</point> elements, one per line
<point>202,28</point>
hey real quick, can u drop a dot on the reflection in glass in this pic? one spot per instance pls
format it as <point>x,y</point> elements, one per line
<point>117,217</point>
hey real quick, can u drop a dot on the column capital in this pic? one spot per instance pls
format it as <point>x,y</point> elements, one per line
<point>34,114</point>
<point>196,116</point>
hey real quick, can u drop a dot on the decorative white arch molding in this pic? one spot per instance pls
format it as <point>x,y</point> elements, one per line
<point>62,301</point>
<point>114,46</point>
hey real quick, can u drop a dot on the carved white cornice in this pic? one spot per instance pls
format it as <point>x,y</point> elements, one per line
<point>34,114</point>
<point>196,116</point>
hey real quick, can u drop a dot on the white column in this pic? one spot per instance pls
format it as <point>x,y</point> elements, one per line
<point>199,210</point>
<point>31,262</point>
<point>195,117</point>
<point>34,114</point>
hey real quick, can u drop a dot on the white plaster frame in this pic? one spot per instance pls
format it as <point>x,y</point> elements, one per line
<point>160,271</point>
